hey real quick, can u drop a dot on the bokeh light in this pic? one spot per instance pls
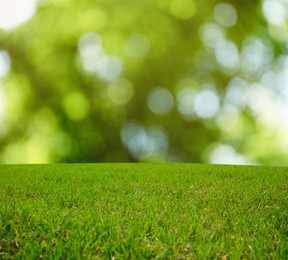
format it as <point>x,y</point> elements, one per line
<point>237,92</point>
<point>144,142</point>
<point>137,45</point>
<point>256,54</point>
<point>225,154</point>
<point>183,9</point>
<point>229,118</point>
<point>274,11</point>
<point>90,49</point>
<point>179,80</point>
<point>4,63</point>
<point>121,91</point>
<point>206,103</point>
<point>185,100</point>
<point>227,55</point>
<point>160,100</point>
<point>109,67</point>
<point>212,33</point>
<point>225,14</point>
<point>76,106</point>
<point>15,12</point>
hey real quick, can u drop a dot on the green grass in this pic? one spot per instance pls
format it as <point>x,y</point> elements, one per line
<point>143,211</point>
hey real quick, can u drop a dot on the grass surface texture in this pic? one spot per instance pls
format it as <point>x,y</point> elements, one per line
<point>143,211</point>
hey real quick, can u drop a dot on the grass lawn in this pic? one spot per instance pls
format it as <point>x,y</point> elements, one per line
<point>143,211</point>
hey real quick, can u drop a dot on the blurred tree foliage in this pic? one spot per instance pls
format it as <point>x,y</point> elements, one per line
<point>161,80</point>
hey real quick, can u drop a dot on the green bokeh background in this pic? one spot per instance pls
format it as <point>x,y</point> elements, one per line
<point>161,80</point>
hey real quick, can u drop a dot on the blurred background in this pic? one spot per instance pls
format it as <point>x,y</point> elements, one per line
<point>146,80</point>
